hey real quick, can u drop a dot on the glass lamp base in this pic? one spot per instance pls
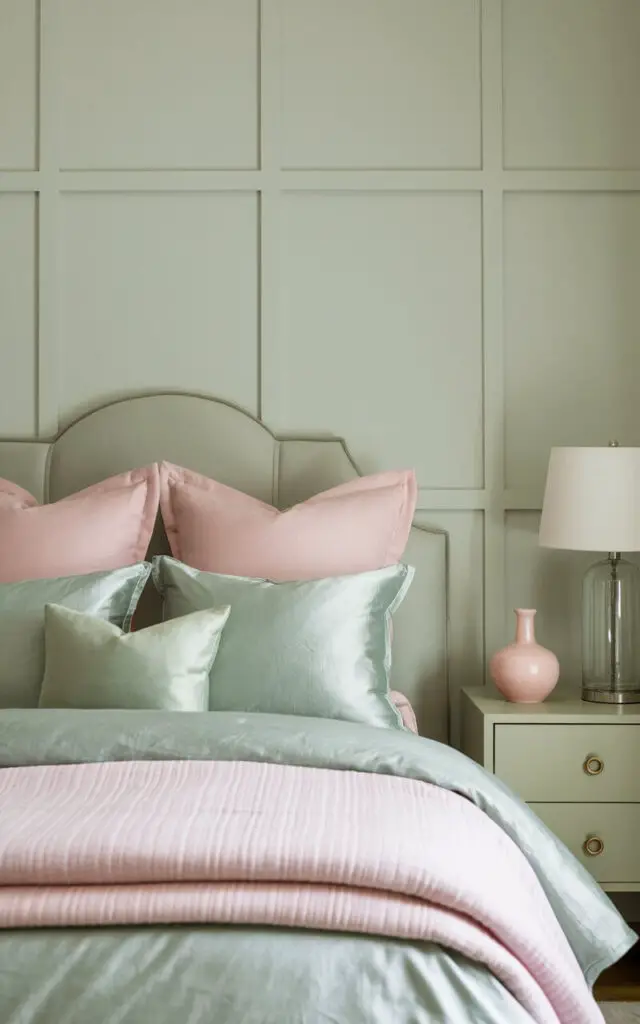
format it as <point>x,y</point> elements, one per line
<point>611,632</point>
<point>605,696</point>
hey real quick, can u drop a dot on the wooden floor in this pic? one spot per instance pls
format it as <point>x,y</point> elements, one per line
<point>621,983</point>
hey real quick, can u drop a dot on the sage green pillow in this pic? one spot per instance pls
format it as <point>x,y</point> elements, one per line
<point>90,663</point>
<point>112,596</point>
<point>320,648</point>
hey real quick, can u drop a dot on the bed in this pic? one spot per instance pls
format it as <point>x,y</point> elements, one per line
<point>382,877</point>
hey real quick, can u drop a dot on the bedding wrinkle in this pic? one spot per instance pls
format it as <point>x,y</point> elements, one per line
<point>242,842</point>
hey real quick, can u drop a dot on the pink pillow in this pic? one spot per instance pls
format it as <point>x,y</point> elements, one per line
<point>356,527</point>
<point>407,713</point>
<point>104,527</point>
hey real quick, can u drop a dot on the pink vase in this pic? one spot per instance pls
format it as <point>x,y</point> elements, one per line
<point>523,671</point>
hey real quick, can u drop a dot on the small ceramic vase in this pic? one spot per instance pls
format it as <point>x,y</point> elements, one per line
<point>524,672</point>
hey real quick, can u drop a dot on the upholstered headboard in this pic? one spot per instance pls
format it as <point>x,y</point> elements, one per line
<point>223,442</point>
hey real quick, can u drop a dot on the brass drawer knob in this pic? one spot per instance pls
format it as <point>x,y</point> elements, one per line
<point>593,846</point>
<point>593,765</point>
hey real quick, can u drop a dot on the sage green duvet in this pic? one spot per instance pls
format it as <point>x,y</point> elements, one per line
<point>247,975</point>
<point>240,976</point>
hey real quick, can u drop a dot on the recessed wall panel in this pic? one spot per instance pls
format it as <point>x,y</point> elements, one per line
<point>389,84</point>
<point>158,83</point>
<point>18,84</point>
<point>571,77</point>
<point>572,316</point>
<point>379,335</point>
<point>18,314</point>
<point>158,292</point>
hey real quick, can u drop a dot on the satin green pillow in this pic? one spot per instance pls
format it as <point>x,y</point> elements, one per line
<point>92,664</point>
<point>111,595</point>
<point>89,663</point>
<point>320,648</point>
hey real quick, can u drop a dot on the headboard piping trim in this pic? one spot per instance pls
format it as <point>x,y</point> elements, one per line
<point>275,487</point>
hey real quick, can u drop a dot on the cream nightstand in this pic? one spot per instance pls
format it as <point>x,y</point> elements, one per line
<point>577,765</point>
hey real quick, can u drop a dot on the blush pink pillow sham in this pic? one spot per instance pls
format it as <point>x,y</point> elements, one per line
<point>405,708</point>
<point>107,526</point>
<point>356,527</point>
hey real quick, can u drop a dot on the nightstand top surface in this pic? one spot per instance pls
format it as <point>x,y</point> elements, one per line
<point>561,706</point>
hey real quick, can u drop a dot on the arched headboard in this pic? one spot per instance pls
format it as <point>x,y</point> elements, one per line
<point>216,438</point>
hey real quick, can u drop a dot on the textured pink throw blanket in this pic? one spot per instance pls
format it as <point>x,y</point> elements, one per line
<point>194,841</point>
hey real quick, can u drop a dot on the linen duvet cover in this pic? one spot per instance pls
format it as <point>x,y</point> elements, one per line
<point>236,869</point>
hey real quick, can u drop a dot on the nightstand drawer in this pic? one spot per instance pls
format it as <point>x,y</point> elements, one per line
<point>569,762</point>
<point>615,832</point>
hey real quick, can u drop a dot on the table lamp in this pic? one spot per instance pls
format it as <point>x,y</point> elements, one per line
<point>592,503</point>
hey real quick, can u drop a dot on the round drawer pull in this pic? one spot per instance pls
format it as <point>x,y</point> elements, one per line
<point>593,846</point>
<point>593,765</point>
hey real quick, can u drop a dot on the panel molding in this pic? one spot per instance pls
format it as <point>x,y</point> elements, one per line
<point>270,127</point>
<point>442,180</point>
<point>493,345</point>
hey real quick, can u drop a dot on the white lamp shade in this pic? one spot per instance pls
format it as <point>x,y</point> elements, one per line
<point>592,500</point>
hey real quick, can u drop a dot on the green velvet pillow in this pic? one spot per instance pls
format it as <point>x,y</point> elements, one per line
<point>111,595</point>
<point>320,648</point>
<point>90,663</point>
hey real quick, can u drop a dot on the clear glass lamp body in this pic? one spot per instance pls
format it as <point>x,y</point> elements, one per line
<point>611,632</point>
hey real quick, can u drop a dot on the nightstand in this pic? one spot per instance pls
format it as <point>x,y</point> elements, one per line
<point>576,764</point>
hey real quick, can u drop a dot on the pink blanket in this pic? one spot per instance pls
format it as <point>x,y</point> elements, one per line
<point>193,841</point>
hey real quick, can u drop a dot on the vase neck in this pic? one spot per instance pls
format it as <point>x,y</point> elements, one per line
<point>524,626</point>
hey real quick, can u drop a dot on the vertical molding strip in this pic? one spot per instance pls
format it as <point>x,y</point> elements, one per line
<point>47,369</point>
<point>493,326</point>
<point>269,209</point>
